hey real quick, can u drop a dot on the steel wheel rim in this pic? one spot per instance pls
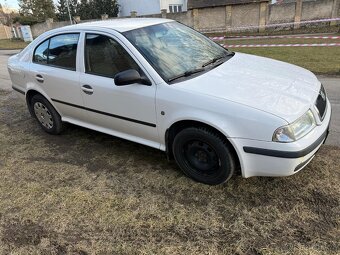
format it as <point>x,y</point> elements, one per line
<point>201,156</point>
<point>43,115</point>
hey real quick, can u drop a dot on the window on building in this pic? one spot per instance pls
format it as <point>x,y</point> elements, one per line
<point>175,8</point>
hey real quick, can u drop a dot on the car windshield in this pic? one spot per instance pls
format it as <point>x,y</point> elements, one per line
<point>175,50</point>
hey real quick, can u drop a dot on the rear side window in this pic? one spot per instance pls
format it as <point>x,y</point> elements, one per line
<point>106,57</point>
<point>58,51</point>
<point>41,53</point>
<point>63,51</point>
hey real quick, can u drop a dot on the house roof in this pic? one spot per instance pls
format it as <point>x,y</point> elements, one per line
<point>193,4</point>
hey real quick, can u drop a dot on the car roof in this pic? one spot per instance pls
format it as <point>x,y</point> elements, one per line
<point>120,25</point>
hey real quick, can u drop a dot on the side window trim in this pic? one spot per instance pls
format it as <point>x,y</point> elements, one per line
<point>48,51</point>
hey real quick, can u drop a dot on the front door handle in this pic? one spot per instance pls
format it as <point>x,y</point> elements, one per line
<point>39,78</point>
<point>87,89</point>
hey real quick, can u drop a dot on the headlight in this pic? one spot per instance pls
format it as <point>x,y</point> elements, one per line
<point>295,130</point>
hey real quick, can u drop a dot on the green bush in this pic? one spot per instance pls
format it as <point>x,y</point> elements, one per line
<point>26,20</point>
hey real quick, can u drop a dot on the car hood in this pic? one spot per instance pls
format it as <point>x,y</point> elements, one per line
<point>276,87</point>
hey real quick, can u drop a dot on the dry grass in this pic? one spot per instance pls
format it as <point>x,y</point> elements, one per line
<point>6,44</point>
<point>320,60</point>
<point>279,41</point>
<point>88,193</point>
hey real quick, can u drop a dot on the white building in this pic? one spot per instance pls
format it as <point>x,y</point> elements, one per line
<point>144,7</point>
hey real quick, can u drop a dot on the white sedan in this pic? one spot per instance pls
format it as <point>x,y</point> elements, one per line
<point>164,85</point>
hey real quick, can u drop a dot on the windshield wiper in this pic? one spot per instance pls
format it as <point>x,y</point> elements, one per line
<point>186,74</point>
<point>217,59</point>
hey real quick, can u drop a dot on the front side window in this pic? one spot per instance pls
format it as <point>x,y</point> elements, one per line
<point>58,51</point>
<point>175,50</point>
<point>106,57</point>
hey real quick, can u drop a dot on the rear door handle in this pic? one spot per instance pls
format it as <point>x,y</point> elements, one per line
<point>87,89</point>
<point>39,78</point>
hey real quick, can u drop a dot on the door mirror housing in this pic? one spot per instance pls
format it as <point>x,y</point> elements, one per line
<point>129,77</point>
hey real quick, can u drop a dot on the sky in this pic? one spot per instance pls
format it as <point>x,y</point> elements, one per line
<point>13,3</point>
<point>10,3</point>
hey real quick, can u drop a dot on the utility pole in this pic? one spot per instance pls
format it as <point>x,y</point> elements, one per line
<point>68,9</point>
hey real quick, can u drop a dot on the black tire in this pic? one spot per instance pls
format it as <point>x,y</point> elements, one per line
<point>204,156</point>
<point>50,115</point>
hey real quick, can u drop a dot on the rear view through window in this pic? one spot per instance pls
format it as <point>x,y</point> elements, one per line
<point>41,53</point>
<point>59,51</point>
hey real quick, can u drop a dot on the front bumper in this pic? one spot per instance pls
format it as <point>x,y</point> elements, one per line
<point>260,158</point>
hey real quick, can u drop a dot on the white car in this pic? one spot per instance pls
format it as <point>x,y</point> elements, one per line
<point>162,84</point>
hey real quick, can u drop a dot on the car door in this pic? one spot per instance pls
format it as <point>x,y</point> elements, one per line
<point>54,70</point>
<point>127,111</point>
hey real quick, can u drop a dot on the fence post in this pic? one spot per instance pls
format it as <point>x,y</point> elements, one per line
<point>335,9</point>
<point>195,14</point>
<point>228,20</point>
<point>163,12</point>
<point>49,22</point>
<point>133,14</point>
<point>298,14</point>
<point>263,16</point>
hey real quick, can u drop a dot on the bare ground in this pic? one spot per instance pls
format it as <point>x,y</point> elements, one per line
<point>84,192</point>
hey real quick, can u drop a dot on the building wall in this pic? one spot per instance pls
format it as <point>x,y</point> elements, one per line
<point>311,10</point>
<point>40,28</point>
<point>142,7</point>
<point>146,7</point>
<point>211,18</point>
<point>5,32</point>
<point>281,13</point>
<point>183,17</point>
<point>238,17</point>
<point>196,4</point>
<point>316,9</point>
<point>245,15</point>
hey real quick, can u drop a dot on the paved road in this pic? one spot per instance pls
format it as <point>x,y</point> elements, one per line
<point>332,85</point>
<point>5,82</point>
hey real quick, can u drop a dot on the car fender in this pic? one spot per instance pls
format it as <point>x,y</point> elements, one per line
<point>31,86</point>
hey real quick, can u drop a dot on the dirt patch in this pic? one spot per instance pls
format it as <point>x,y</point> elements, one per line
<point>22,233</point>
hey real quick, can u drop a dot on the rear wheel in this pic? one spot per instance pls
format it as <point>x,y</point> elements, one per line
<point>203,155</point>
<point>48,118</point>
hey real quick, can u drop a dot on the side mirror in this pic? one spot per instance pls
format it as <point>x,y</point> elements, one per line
<point>129,77</point>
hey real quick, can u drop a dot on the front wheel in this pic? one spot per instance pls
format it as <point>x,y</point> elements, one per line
<point>203,155</point>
